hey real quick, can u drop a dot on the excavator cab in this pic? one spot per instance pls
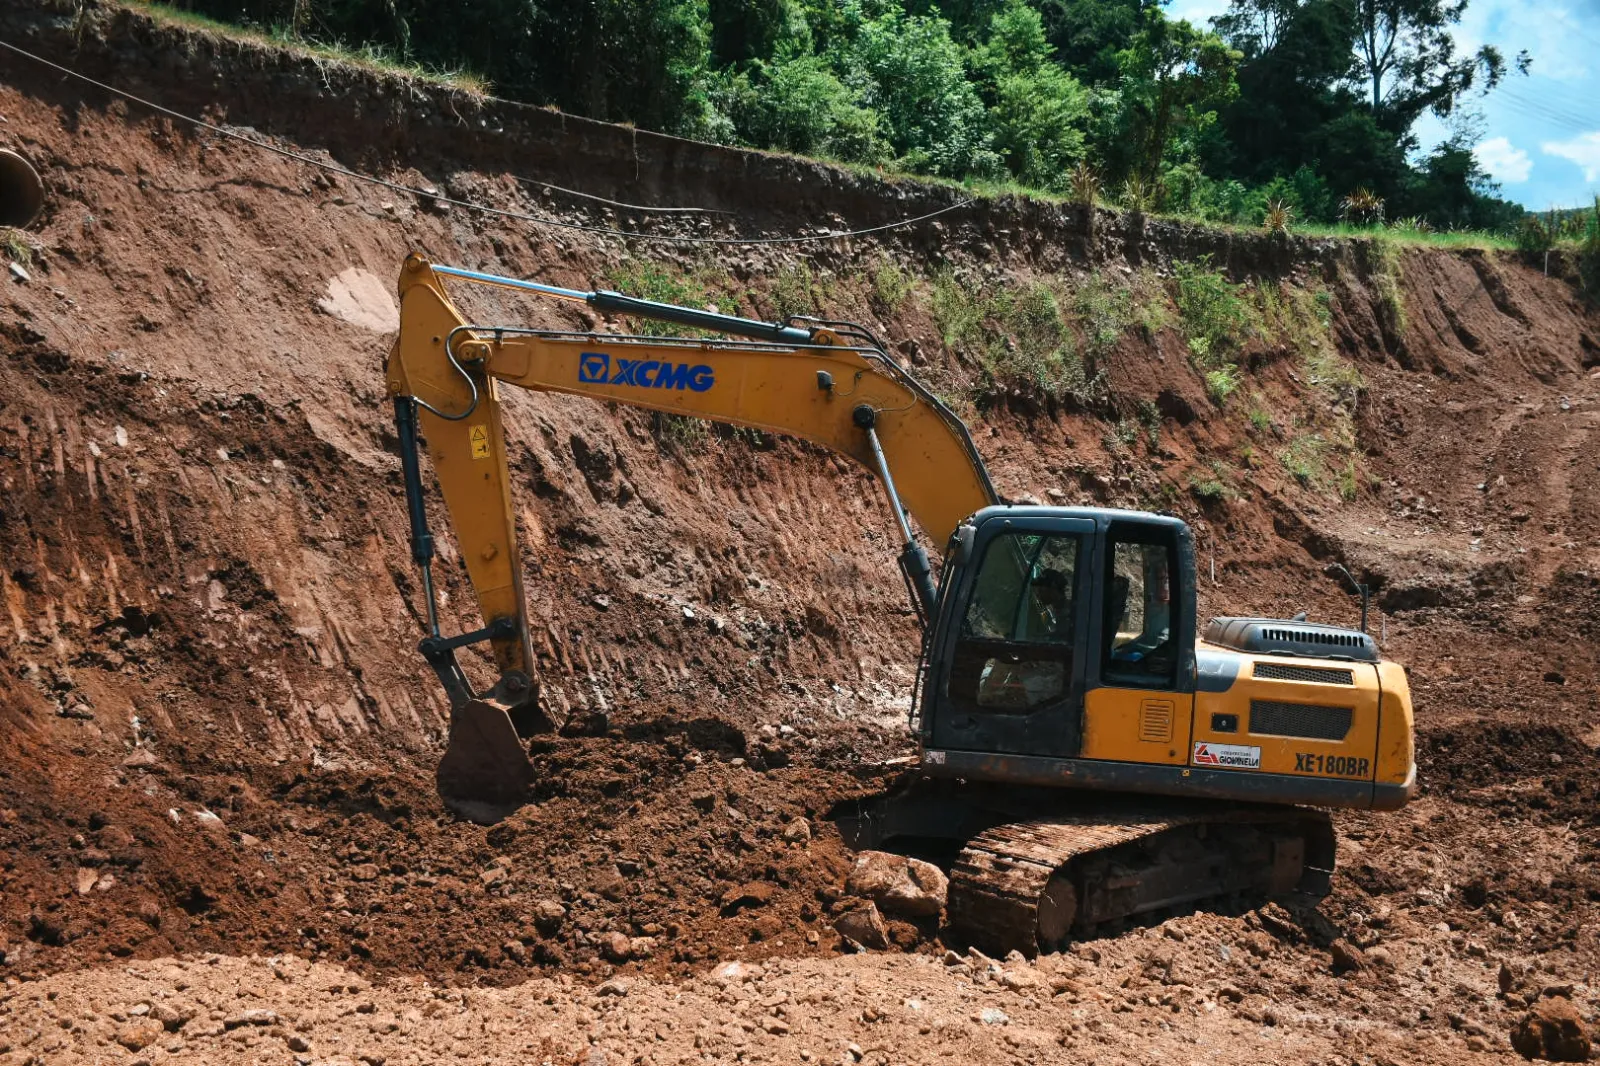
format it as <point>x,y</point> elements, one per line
<point>1040,607</point>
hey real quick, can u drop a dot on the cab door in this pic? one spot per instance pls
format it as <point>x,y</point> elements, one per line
<point>1009,664</point>
<point>1139,706</point>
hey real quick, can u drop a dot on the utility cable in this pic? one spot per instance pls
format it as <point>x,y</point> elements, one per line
<point>1556,111</point>
<point>617,203</point>
<point>334,168</point>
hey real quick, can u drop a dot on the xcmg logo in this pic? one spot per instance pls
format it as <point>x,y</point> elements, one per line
<point>595,368</point>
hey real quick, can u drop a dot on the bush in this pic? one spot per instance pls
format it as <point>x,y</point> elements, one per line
<point>1222,382</point>
<point>798,104</point>
<point>891,286</point>
<point>1105,311</point>
<point>1014,338</point>
<point>909,70</point>
<point>1589,254</point>
<point>1215,319</point>
<point>1305,458</point>
<point>1534,237</point>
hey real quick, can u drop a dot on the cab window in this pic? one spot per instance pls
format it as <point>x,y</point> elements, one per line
<point>1014,649</point>
<point>1137,631</point>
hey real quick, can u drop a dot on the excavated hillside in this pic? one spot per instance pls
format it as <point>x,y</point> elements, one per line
<point>215,736</point>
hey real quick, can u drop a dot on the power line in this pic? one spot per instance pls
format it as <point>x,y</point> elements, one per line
<point>1556,109</point>
<point>1555,92</point>
<point>334,168</point>
<point>1532,109</point>
<point>617,203</point>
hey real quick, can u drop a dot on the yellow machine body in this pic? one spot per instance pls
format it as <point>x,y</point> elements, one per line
<point>1271,733</point>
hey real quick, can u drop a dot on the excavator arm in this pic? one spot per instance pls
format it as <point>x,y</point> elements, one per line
<point>828,383</point>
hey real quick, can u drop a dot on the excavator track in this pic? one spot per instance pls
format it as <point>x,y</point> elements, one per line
<point>1033,885</point>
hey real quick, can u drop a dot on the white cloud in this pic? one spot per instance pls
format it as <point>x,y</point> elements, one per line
<point>1557,37</point>
<point>1583,150</point>
<point>1503,161</point>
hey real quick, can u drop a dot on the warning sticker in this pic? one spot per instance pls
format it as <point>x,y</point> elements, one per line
<point>480,441</point>
<point>1232,756</point>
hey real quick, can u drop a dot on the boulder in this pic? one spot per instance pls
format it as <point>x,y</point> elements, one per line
<point>616,947</point>
<point>864,926</point>
<point>898,884</point>
<point>1347,958</point>
<point>1553,1030</point>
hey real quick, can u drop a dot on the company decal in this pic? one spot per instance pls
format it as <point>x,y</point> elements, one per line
<point>1306,762</point>
<point>1232,756</point>
<point>598,368</point>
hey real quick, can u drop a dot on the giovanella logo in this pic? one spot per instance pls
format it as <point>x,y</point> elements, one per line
<point>1236,756</point>
<point>596,368</point>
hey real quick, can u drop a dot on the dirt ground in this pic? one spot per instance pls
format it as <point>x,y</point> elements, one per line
<point>216,744</point>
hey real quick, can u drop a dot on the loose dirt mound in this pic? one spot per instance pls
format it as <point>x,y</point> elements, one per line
<point>214,735</point>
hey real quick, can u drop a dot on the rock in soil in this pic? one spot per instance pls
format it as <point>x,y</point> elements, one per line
<point>140,1034</point>
<point>1347,958</point>
<point>864,925</point>
<point>898,884</point>
<point>1553,1030</point>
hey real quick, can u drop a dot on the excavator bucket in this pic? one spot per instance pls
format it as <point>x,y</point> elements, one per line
<point>485,773</point>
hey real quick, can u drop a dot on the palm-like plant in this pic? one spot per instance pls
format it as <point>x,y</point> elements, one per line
<point>1138,194</point>
<point>1085,183</point>
<point>1277,218</point>
<point>1362,208</point>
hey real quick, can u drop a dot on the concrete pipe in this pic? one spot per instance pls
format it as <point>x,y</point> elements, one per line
<point>21,191</point>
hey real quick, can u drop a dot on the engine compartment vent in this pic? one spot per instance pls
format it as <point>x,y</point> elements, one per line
<point>1155,721</point>
<point>1324,675</point>
<point>1300,720</point>
<point>1267,635</point>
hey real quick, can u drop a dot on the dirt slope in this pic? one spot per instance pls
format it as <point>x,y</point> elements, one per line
<point>214,735</point>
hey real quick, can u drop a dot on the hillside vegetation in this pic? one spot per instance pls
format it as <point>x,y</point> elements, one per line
<point>1281,112</point>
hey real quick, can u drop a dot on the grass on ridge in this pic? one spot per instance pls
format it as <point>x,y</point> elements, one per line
<point>369,57</point>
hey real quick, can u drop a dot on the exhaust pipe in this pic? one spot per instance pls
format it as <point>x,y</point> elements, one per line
<point>21,191</point>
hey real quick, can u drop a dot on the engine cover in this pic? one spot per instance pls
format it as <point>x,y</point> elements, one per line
<point>1267,635</point>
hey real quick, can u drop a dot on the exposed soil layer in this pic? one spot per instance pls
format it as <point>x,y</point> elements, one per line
<point>215,737</point>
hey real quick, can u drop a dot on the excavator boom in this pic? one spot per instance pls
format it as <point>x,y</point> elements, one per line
<point>827,383</point>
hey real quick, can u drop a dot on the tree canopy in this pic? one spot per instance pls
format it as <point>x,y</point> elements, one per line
<point>1299,101</point>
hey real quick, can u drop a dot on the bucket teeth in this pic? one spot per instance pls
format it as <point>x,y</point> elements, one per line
<point>485,773</point>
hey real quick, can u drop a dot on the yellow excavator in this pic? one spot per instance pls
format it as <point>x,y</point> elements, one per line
<point>1087,754</point>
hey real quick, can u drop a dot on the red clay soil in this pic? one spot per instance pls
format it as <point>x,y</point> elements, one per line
<point>214,734</point>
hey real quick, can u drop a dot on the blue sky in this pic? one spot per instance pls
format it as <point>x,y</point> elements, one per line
<point>1540,134</point>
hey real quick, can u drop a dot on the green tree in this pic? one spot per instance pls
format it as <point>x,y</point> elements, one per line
<point>1406,58</point>
<point>1037,110</point>
<point>747,30</point>
<point>640,61</point>
<point>798,104</point>
<point>1353,151</point>
<point>1296,55</point>
<point>910,71</point>
<point>1087,35</point>
<point>1173,79</point>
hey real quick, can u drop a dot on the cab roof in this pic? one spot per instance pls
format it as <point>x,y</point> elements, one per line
<point>1100,516</point>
